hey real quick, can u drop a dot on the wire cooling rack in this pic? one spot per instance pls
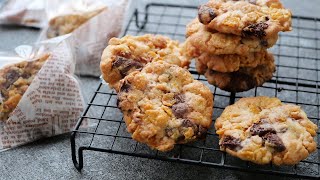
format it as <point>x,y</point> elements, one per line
<point>295,81</point>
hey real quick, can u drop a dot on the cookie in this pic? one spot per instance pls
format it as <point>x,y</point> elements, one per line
<point>14,81</point>
<point>264,130</point>
<point>163,105</point>
<point>65,24</point>
<point>202,40</point>
<point>238,81</point>
<point>233,62</point>
<point>247,18</point>
<point>125,55</point>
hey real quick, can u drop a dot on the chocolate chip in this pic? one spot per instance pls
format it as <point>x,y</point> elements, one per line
<point>202,132</point>
<point>26,75</point>
<point>119,61</point>
<point>125,87</point>
<point>11,77</point>
<point>206,14</point>
<point>180,138</point>
<point>169,132</point>
<point>125,65</point>
<point>180,98</point>
<point>275,141</point>
<point>180,110</point>
<point>253,2</point>
<point>257,30</point>
<point>256,129</point>
<point>131,65</point>
<point>267,18</point>
<point>231,142</point>
<point>187,123</point>
<point>264,43</point>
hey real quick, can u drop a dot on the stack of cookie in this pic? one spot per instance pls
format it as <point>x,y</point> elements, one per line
<point>162,103</point>
<point>229,40</point>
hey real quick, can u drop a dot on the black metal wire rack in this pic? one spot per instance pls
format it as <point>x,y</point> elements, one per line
<point>295,81</point>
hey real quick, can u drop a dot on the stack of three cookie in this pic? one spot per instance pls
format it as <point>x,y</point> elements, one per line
<point>229,40</point>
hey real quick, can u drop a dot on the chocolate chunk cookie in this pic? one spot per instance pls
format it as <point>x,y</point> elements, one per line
<point>264,130</point>
<point>164,105</point>
<point>233,62</point>
<point>247,18</point>
<point>14,81</point>
<point>242,80</point>
<point>202,40</point>
<point>131,53</point>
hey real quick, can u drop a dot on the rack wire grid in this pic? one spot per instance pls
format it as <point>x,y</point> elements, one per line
<point>295,81</point>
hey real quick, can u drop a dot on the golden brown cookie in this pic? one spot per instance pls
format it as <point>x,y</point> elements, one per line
<point>14,81</point>
<point>233,62</point>
<point>164,105</point>
<point>202,40</point>
<point>264,130</point>
<point>247,18</point>
<point>130,53</point>
<point>66,24</point>
<point>242,80</point>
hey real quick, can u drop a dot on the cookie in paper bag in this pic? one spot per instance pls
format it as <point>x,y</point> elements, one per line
<point>14,81</point>
<point>65,24</point>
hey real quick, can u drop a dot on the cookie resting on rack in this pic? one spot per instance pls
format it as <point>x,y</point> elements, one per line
<point>163,105</point>
<point>247,18</point>
<point>14,82</point>
<point>202,40</point>
<point>264,130</point>
<point>233,62</point>
<point>130,53</point>
<point>242,80</point>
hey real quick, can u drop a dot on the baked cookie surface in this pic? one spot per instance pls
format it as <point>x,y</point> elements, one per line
<point>130,53</point>
<point>242,80</point>
<point>163,105</point>
<point>233,62</point>
<point>264,130</point>
<point>200,39</point>
<point>14,81</point>
<point>258,18</point>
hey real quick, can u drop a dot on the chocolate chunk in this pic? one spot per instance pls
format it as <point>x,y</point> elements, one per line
<point>187,123</point>
<point>125,87</point>
<point>256,129</point>
<point>125,65</point>
<point>264,43</point>
<point>180,139</point>
<point>25,75</point>
<point>231,143</point>
<point>206,14</point>
<point>11,77</point>
<point>267,18</point>
<point>257,30</point>
<point>169,132</point>
<point>275,141</point>
<point>202,132</point>
<point>119,61</point>
<point>180,110</point>
<point>253,2</point>
<point>180,98</point>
